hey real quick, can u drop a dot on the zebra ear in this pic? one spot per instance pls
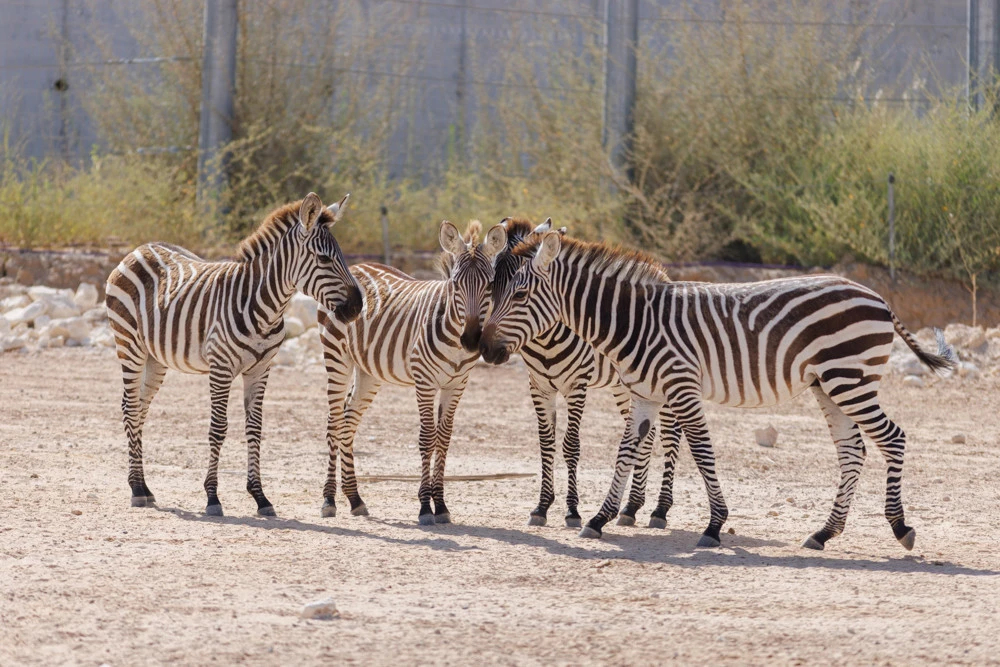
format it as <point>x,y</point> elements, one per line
<point>310,210</point>
<point>451,239</point>
<point>562,231</point>
<point>544,227</point>
<point>337,210</point>
<point>548,250</point>
<point>496,240</point>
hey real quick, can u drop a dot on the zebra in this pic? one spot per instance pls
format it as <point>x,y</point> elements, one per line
<point>560,362</point>
<point>168,308</point>
<point>744,345</point>
<point>420,333</point>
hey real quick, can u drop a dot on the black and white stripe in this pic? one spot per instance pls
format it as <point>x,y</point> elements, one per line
<point>420,333</point>
<point>169,308</point>
<point>746,345</point>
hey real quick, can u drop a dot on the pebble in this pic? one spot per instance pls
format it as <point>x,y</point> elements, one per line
<point>958,439</point>
<point>913,381</point>
<point>766,437</point>
<point>731,531</point>
<point>322,610</point>
<point>76,512</point>
<point>772,513</point>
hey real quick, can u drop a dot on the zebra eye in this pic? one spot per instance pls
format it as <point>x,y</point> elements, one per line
<point>520,295</point>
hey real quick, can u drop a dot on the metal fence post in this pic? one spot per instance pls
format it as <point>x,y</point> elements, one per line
<point>386,248</point>
<point>892,228</point>
<point>218,84</point>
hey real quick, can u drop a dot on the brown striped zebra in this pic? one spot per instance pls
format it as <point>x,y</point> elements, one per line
<point>169,308</point>
<point>560,362</point>
<point>419,333</point>
<point>742,345</point>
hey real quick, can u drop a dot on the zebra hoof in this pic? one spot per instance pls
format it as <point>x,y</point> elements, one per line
<point>214,510</point>
<point>443,517</point>
<point>328,511</point>
<point>426,520</point>
<point>360,510</point>
<point>908,539</point>
<point>536,520</point>
<point>266,511</point>
<point>657,522</point>
<point>139,501</point>
<point>812,543</point>
<point>573,522</point>
<point>590,534</point>
<point>150,501</point>
<point>708,541</point>
<point>626,520</point>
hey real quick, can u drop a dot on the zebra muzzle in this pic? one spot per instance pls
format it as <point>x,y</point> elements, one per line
<point>471,335</point>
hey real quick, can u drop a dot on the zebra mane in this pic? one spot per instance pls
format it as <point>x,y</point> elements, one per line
<point>445,262</point>
<point>275,225</point>
<point>632,265</point>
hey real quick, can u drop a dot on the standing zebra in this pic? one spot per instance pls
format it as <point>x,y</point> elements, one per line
<point>420,333</point>
<point>741,345</point>
<point>560,362</point>
<point>169,308</point>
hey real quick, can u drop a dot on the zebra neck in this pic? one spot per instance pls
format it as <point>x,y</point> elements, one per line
<point>605,309</point>
<point>269,289</point>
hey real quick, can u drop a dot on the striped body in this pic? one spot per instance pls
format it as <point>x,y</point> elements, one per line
<point>420,333</point>
<point>745,345</point>
<point>170,309</point>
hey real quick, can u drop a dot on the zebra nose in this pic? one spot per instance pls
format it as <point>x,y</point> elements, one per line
<point>471,335</point>
<point>349,309</point>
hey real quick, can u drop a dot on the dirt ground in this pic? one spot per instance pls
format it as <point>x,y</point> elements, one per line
<point>86,579</point>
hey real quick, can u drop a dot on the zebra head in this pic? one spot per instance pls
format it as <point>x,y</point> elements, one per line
<point>322,270</point>
<point>527,306</point>
<point>471,275</point>
<point>508,262</point>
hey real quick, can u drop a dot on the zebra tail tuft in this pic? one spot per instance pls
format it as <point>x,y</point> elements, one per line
<point>941,363</point>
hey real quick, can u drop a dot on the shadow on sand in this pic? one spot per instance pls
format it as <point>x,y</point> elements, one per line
<point>671,547</point>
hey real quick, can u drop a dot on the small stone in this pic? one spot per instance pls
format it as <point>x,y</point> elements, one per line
<point>967,369</point>
<point>602,564</point>
<point>321,610</point>
<point>294,327</point>
<point>27,313</point>
<point>34,475</point>
<point>958,439</point>
<point>766,437</point>
<point>947,499</point>
<point>731,531</point>
<point>76,512</point>
<point>913,381</point>
<point>86,296</point>
<point>772,513</point>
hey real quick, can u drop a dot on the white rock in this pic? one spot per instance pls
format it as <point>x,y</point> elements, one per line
<point>8,343</point>
<point>913,381</point>
<point>968,369</point>
<point>910,365</point>
<point>284,357</point>
<point>42,293</point>
<point>55,341</point>
<point>27,313</point>
<point>74,329</point>
<point>102,336</point>
<point>61,306</point>
<point>4,325</point>
<point>312,343</point>
<point>294,327</point>
<point>958,439</point>
<point>766,437</point>
<point>99,314</point>
<point>304,309</point>
<point>324,610</point>
<point>12,302</point>
<point>86,296</point>
<point>41,321</point>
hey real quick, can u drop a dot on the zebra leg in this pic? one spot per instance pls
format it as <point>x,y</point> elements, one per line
<point>220,380</point>
<point>447,404</point>
<point>670,434</point>
<point>365,389</point>
<point>339,374</point>
<point>851,456</point>
<point>545,413</point>
<point>426,442</point>
<point>689,412</point>
<point>891,441</point>
<point>253,398</point>
<point>141,377</point>
<point>637,493</point>
<point>636,428</point>
<point>575,403</point>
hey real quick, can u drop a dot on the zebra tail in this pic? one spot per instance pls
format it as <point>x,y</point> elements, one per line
<point>945,359</point>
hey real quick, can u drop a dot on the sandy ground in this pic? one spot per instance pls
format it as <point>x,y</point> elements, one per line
<point>86,579</point>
